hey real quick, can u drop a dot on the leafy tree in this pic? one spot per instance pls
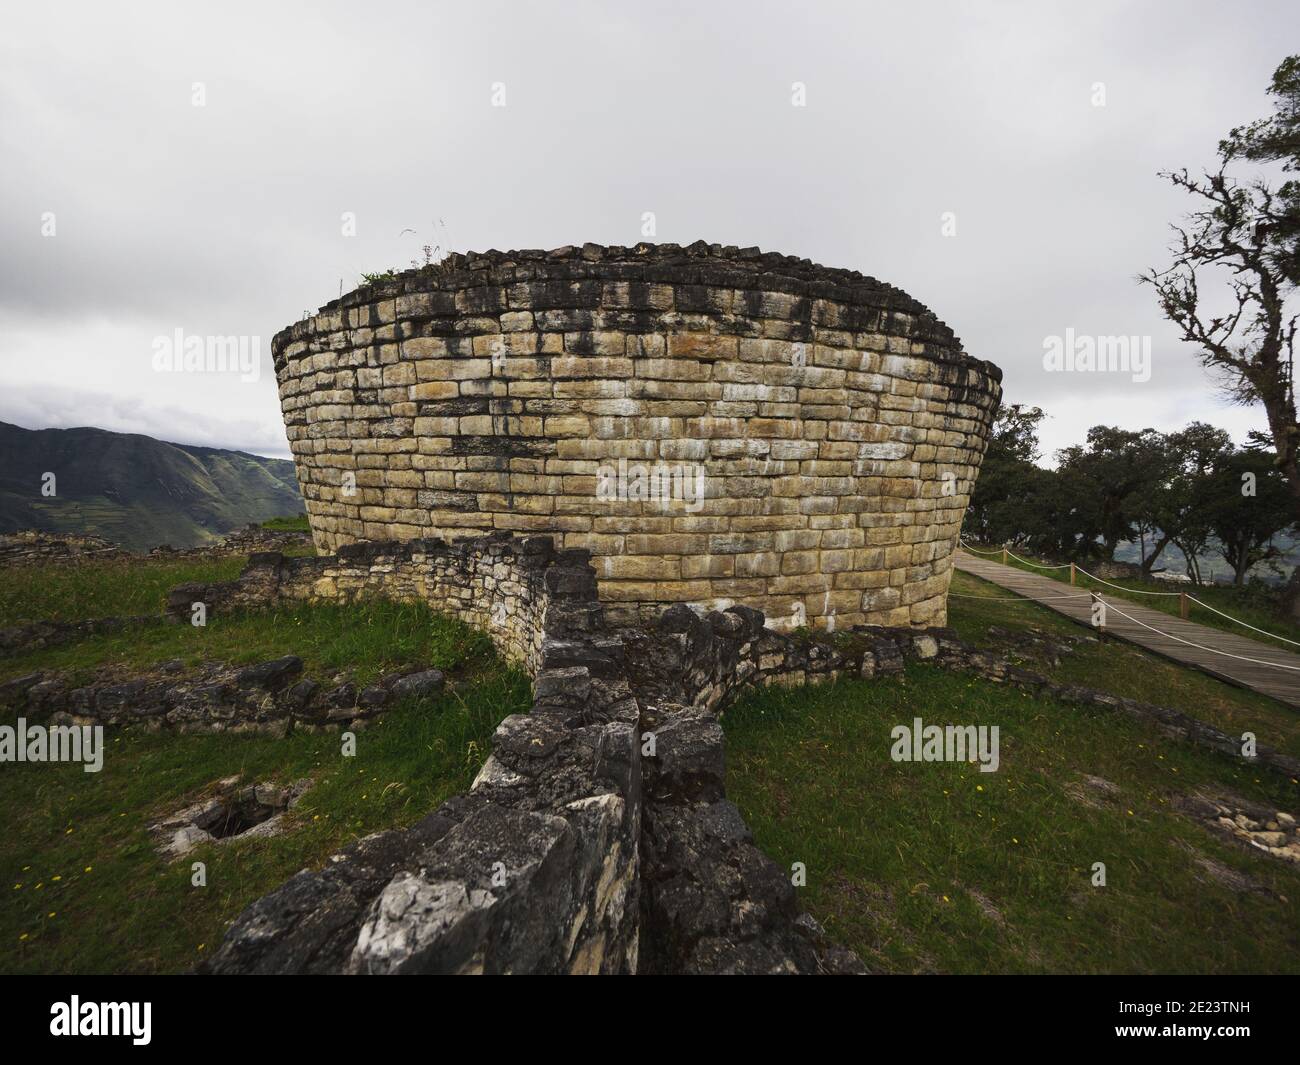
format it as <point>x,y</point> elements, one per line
<point>1001,501</point>
<point>1172,510</point>
<point>1277,140</point>
<point>1246,505</point>
<point>1113,476</point>
<point>1250,235</point>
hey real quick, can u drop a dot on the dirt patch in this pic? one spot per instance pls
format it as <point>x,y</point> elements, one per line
<point>987,908</point>
<point>1212,871</point>
<point>1091,791</point>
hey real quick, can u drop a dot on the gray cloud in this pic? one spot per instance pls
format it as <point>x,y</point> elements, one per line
<point>225,219</point>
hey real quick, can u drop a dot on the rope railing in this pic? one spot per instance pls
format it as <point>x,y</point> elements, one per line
<point>1122,588</point>
<point>1238,621</point>
<point>1036,565</point>
<point>1200,647</point>
<point>977,551</point>
<point>1075,568</point>
<point>1020,598</point>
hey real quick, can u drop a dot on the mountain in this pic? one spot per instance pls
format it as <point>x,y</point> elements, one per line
<point>134,490</point>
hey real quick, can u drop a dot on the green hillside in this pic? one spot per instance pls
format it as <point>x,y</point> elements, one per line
<point>134,490</point>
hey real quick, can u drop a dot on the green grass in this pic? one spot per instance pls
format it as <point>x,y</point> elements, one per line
<point>290,523</point>
<point>938,867</point>
<point>373,637</point>
<point>88,894</point>
<point>1245,604</point>
<point>119,588</point>
<point>366,639</point>
<point>1122,668</point>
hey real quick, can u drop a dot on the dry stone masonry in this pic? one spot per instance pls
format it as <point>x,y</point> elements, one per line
<point>582,846</point>
<point>539,867</point>
<point>715,425</point>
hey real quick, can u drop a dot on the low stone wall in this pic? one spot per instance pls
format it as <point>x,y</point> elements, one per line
<point>269,697</point>
<point>536,868</point>
<point>32,547</point>
<point>38,635</point>
<point>580,848</point>
<point>35,547</point>
<point>597,836</point>
<point>514,590</point>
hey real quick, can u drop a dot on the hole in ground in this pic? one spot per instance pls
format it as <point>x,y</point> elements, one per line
<point>234,818</point>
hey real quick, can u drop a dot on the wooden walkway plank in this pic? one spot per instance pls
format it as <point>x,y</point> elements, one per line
<point>1239,660</point>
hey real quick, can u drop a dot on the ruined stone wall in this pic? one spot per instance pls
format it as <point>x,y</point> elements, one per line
<point>515,590</point>
<point>835,425</point>
<point>536,868</point>
<point>539,867</point>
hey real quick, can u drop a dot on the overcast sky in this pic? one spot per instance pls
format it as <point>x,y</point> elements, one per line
<point>226,219</point>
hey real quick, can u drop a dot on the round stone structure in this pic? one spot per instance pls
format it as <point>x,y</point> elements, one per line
<point>716,425</point>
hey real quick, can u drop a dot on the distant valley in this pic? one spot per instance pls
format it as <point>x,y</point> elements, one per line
<point>135,490</point>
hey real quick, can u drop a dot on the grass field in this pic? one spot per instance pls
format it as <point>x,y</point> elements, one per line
<point>117,588</point>
<point>289,523</point>
<point>86,890</point>
<point>919,867</point>
<point>87,893</point>
<point>936,867</point>
<point>366,639</point>
<point>1122,668</point>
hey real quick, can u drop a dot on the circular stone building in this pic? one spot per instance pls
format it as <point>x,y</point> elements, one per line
<point>716,425</point>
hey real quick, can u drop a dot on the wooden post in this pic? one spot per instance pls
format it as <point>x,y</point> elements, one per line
<point>1184,607</point>
<point>1101,627</point>
<point>1071,572</point>
<point>1004,555</point>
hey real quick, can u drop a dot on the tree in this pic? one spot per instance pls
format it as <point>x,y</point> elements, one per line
<point>1251,234</point>
<point>1277,140</point>
<point>999,505</point>
<point>1113,476</point>
<point>1246,506</point>
<point>1173,507</point>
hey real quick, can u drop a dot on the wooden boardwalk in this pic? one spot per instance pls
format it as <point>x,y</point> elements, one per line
<point>1266,673</point>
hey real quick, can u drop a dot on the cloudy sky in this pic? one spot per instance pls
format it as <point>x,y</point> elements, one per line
<point>226,218</point>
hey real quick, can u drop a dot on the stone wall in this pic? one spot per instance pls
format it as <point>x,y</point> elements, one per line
<point>271,697</point>
<point>32,547</point>
<point>835,425</point>
<point>539,867</point>
<point>516,591</point>
<point>536,868</point>
<point>598,836</point>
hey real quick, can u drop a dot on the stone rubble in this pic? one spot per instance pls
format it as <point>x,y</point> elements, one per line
<point>269,697</point>
<point>1274,832</point>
